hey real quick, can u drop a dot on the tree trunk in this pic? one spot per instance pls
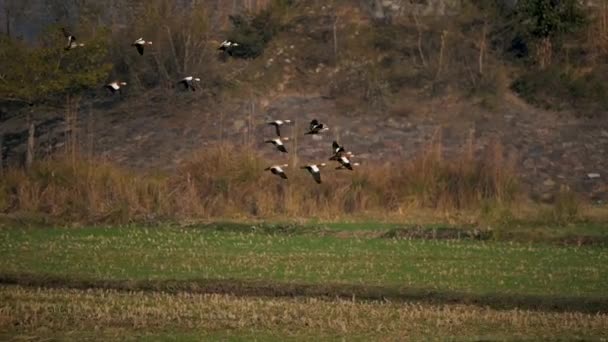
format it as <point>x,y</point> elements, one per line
<point>7,13</point>
<point>482,47</point>
<point>444,36</point>
<point>544,53</point>
<point>1,155</point>
<point>335,32</point>
<point>29,155</point>
<point>419,29</point>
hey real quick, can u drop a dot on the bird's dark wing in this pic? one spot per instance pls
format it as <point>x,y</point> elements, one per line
<point>140,49</point>
<point>335,145</point>
<point>280,174</point>
<point>183,83</point>
<point>66,33</point>
<point>313,123</point>
<point>317,177</point>
<point>278,130</point>
<point>282,148</point>
<point>348,166</point>
<point>109,88</point>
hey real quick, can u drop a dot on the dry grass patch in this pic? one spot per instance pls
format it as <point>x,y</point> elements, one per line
<point>35,312</point>
<point>229,181</point>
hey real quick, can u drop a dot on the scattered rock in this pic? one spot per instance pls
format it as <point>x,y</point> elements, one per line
<point>238,124</point>
<point>547,197</point>
<point>549,183</point>
<point>593,175</point>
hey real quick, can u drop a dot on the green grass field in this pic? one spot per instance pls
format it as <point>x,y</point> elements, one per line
<point>547,282</point>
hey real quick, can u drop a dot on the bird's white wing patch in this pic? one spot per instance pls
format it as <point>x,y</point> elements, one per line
<point>314,168</point>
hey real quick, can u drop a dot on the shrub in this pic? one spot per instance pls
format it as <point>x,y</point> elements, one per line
<point>562,88</point>
<point>227,181</point>
<point>254,31</point>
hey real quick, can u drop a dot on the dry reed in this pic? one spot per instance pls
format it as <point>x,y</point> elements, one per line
<point>229,182</point>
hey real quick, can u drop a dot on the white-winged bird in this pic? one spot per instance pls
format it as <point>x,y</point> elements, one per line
<point>337,151</point>
<point>316,127</point>
<point>228,46</point>
<point>277,170</point>
<point>188,82</point>
<point>278,143</point>
<point>315,171</point>
<point>139,44</point>
<point>71,40</point>
<point>336,147</point>
<point>277,124</point>
<point>114,87</point>
<point>345,162</point>
<point>353,165</point>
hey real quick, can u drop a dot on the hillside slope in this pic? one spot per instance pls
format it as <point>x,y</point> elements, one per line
<point>300,77</point>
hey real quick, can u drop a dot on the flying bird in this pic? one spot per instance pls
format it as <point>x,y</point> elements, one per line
<point>188,82</point>
<point>278,143</point>
<point>315,171</point>
<point>228,46</point>
<point>353,165</point>
<point>337,150</point>
<point>277,125</point>
<point>277,170</point>
<point>114,87</point>
<point>71,40</point>
<point>316,127</point>
<point>139,44</point>
<point>336,147</point>
<point>345,163</point>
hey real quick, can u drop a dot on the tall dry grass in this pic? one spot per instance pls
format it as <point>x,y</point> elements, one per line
<point>229,182</point>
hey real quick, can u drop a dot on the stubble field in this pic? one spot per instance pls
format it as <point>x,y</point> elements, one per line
<point>214,283</point>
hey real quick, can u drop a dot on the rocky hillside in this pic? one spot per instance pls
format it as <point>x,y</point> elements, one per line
<point>381,112</point>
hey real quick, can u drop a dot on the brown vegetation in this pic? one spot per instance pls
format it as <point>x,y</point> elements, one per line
<point>110,315</point>
<point>362,63</point>
<point>229,181</point>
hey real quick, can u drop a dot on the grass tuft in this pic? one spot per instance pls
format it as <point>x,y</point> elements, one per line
<point>230,182</point>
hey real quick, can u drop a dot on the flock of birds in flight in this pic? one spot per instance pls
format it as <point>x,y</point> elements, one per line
<point>339,153</point>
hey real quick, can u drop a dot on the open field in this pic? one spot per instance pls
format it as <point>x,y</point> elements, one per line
<point>318,263</point>
<point>33,314</point>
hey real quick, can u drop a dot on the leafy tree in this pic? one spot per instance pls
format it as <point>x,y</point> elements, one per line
<point>548,18</point>
<point>254,32</point>
<point>41,74</point>
<point>542,21</point>
<point>38,74</point>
